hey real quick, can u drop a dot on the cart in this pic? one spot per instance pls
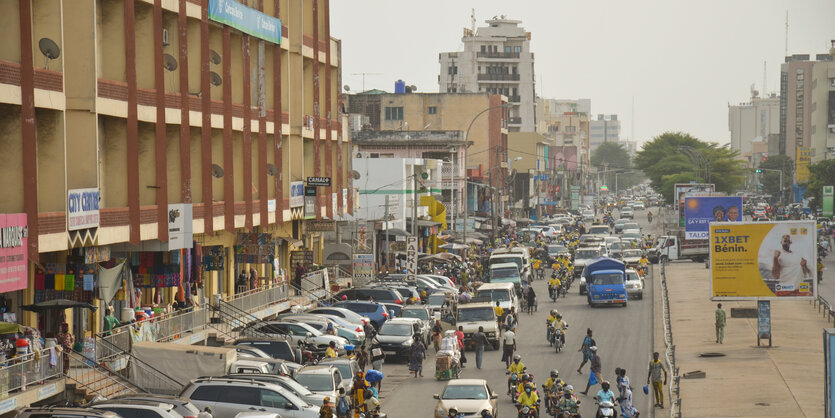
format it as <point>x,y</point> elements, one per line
<point>446,368</point>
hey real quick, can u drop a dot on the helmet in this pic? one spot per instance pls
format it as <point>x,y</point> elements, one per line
<point>517,357</point>
<point>605,384</point>
<point>513,377</point>
<point>553,312</point>
<point>555,373</point>
<point>569,388</point>
<point>559,316</point>
<point>528,387</point>
<point>526,377</point>
<point>453,410</point>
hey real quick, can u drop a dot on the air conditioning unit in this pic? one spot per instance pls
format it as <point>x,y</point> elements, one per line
<point>165,37</point>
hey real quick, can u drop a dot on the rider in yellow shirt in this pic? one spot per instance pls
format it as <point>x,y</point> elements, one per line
<point>517,366</point>
<point>528,397</point>
<point>331,350</point>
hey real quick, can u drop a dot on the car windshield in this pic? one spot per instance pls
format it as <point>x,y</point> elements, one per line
<point>632,276</point>
<point>633,253</point>
<point>494,294</point>
<point>316,382</point>
<point>631,226</point>
<point>436,300</point>
<point>414,313</point>
<point>343,367</point>
<point>599,230</point>
<point>476,314</point>
<point>499,260</point>
<point>556,249</point>
<point>621,221</point>
<point>396,329</point>
<point>296,387</point>
<point>507,273</point>
<point>587,254</point>
<point>607,279</point>
<point>464,392</point>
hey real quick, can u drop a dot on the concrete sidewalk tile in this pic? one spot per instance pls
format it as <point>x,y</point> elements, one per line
<point>785,380</point>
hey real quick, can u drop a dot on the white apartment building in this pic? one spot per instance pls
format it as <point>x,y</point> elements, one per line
<point>606,128</point>
<point>753,121</point>
<point>496,60</point>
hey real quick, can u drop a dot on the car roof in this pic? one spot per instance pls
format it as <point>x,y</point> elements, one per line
<point>475,305</point>
<point>414,308</point>
<point>503,265</point>
<point>466,382</point>
<point>69,411</point>
<point>262,340</point>
<point>495,286</point>
<point>316,369</point>
<point>405,320</point>
<point>134,402</point>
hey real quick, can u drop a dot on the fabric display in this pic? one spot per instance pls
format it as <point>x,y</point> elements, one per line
<point>156,269</point>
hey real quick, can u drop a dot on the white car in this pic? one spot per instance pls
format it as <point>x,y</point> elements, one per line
<point>638,205</point>
<point>634,284</point>
<point>588,215</point>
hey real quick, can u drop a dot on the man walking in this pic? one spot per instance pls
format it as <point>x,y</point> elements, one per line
<point>509,346</point>
<point>654,377</point>
<point>596,368</point>
<point>480,340</point>
<point>720,324</point>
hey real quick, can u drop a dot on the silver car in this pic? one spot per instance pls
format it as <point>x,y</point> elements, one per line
<point>228,396</point>
<point>325,380</point>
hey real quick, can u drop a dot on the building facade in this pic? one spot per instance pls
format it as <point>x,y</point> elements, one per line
<point>121,118</point>
<point>753,121</point>
<point>496,60</point>
<point>606,128</point>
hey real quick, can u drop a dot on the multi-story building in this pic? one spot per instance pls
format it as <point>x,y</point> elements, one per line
<point>567,122</point>
<point>160,132</point>
<point>752,122</point>
<point>606,128</point>
<point>807,107</point>
<point>496,60</point>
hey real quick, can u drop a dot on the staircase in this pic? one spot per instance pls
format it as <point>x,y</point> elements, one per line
<point>88,379</point>
<point>228,323</point>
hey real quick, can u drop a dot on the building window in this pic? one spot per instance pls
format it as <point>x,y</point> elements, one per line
<point>517,49</point>
<point>483,48</point>
<point>571,129</point>
<point>432,110</point>
<point>394,113</point>
<point>507,49</point>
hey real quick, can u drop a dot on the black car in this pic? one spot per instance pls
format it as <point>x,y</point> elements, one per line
<point>377,294</point>
<point>277,348</point>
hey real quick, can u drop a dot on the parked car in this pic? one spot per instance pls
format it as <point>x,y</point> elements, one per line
<point>393,309</point>
<point>376,312</point>
<point>227,397</point>
<point>441,280</point>
<point>396,336</point>
<point>299,331</point>
<point>325,380</point>
<point>132,408</point>
<point>64,412</point>
<point>468,396</point>
<point>419,312</point>
<point>320,322</point>
<point>277,348</point>
<point>183,406</point>
<point>347,367</point>
<point>286,382</point>
<point>347,314</point>
<point>376,293</point>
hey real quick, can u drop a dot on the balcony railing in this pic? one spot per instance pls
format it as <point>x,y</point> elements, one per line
<point>514,99</point>
<point>498,77</point>
<point>507,55</point>
<point>30,370</point>
<point>514,121</point>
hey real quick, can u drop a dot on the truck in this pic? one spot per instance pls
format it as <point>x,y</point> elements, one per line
<point>673,246</point>
<point>186,362</point>
<point>471,316</point>
<point>605,282</point>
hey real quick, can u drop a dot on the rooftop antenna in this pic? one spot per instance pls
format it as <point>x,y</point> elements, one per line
<point>787,33</point>
<point>49,49</point>
<point>363,78</point>
<point>472,20</point>
<point>765,79</point>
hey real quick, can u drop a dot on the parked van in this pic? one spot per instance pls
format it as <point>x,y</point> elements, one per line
<point>503,292</point>
<point>507,273</point>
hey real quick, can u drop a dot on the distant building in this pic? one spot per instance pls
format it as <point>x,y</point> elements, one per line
<point>753,121</point>
<point>566,121</point>
<point>606,128</point>
<point>497,60</point>
<point>807,108</point>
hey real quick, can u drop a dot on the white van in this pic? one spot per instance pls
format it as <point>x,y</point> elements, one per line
<point>506,273</point>
<point>518,255</point>
<point>504,292</point>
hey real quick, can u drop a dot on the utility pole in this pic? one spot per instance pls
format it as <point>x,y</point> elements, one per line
<point>415,203</point>
<point>388,247</point>
<point>492,209</point>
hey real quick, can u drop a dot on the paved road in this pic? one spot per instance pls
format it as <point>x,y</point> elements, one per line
<point>623,335</point>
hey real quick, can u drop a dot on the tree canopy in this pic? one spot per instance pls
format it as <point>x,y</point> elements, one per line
<point>614,156</point>
<point>678,157</point>
<point>771,179</point>
<point>820,174</point>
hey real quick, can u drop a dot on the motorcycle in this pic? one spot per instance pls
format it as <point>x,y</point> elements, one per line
<point>605,409</point>
<point>556,337</point>
<point>549,332</point>
<point>527,411</point>
<point>649,218</point>
<point>512,381</point>
<point>554,292</point>
<point>372,414</point>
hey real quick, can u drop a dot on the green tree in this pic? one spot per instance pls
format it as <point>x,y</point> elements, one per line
<point>677,157</point>
<point>771,179</point>
<point>613,156</point>
<point>820,174</point>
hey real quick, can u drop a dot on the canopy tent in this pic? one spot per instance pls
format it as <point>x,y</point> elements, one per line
<point>57,304</point>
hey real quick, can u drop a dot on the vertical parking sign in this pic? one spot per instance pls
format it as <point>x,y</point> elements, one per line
<point>411,258</point>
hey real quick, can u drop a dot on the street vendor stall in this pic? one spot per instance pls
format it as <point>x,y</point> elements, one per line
<point>447,362</point>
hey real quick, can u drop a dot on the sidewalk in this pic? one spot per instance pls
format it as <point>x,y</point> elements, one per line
<point>786,380</point>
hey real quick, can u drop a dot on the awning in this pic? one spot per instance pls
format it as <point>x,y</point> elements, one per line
<point>396,232</point>
<point>453,246</point>
<point>57,304</point>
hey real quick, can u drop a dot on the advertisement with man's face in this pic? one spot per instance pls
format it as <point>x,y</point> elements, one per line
<point>699,212</point>
<point>754,260</point>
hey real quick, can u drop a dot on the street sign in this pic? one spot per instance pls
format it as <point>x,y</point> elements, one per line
<point>827,200</point>
<point>411,258</point>
<point>319,181</point>
<point>764,321</point>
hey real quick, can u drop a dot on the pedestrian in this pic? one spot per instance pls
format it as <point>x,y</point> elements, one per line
<point>326,410</point>
<point>654,377</point>
<point>588,342</point>
<point>480,340</point>
<point>376,355</point>
<point>343,404</point>
<point>627,408</point>
<point>298,277</point>
<point>596,368</point>
<point>65,340</point>
<point>720,324</point>
<point>499,312</point>
<point>509,340</point>
<point>253,278</point>
<point>437,331</point>
<point>205,413</point>
<point>418,353</point>
<point>510,318</point>
<point>459,335</point>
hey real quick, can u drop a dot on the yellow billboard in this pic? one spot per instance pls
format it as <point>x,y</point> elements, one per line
<point>760,260</point>
<point>804,158</point>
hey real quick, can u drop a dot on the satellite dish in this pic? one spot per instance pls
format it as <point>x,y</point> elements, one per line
<point>215,79</point>
<point>347,87</point>
<point>49,49</point>
<point>217,171</point>
<point>272,170</point>
<point>214,57</point>
<point>169,62</point>
<point>355,174</point>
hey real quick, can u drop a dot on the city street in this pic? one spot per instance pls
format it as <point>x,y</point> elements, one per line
<point>623,335</point>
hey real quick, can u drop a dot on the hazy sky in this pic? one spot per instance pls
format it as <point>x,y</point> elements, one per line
<point>682,61</point>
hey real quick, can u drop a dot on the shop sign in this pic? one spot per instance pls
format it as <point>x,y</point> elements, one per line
<point>82,209</point>
<point>362,236</point>
<point>309,202</point>
<point>246,20</point>
<point>411,258</point>
<point>345,199</point>
<point>180,234</point>
<point>363,269</point>
<point>296,194</point>
<point>14,256</point>
<point>271,206</point>
<point>319,181</point>
<point>320,226</point>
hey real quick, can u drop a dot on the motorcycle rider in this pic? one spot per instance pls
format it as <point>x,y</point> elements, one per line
<point>649,216</point>
<point>516,367</point>
<point>605,394</point>
<point>557,384</point>
<point>549,323</point>
<point>568,405</point>
<point>528,398</point>
<point>453,413</point>
<point>560,325</point>
<point>553,284</point>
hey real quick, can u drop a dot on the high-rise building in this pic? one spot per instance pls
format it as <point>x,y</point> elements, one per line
<point>496,60</point>
<point>567,121</point>
<point>807,107</point>
<point>752,122</point>
<point>606,128</point>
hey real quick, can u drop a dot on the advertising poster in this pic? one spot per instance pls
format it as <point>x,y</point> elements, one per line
<point>682,190</point>
<point>14,255</point>
<point>363,268</point>
<point>756,260</point>
<point>82,209</point>
<point>701,211</point>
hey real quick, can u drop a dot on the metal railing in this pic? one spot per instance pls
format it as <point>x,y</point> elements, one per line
<point>30,370</point>
<point>139,373</point>
<point>113,343</point>
<point>94,378</point>
<point>497,54</point>
<point>497,77</point>
<point>824,307</point>
<point>257,298</point>
<point>235,322</point>
<point>174,325</point>
<point>339,275</point>
<point>670,352</point>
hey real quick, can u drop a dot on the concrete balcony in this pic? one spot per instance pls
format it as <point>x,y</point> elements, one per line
<point>498,77</point>
<point>497,55</point>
